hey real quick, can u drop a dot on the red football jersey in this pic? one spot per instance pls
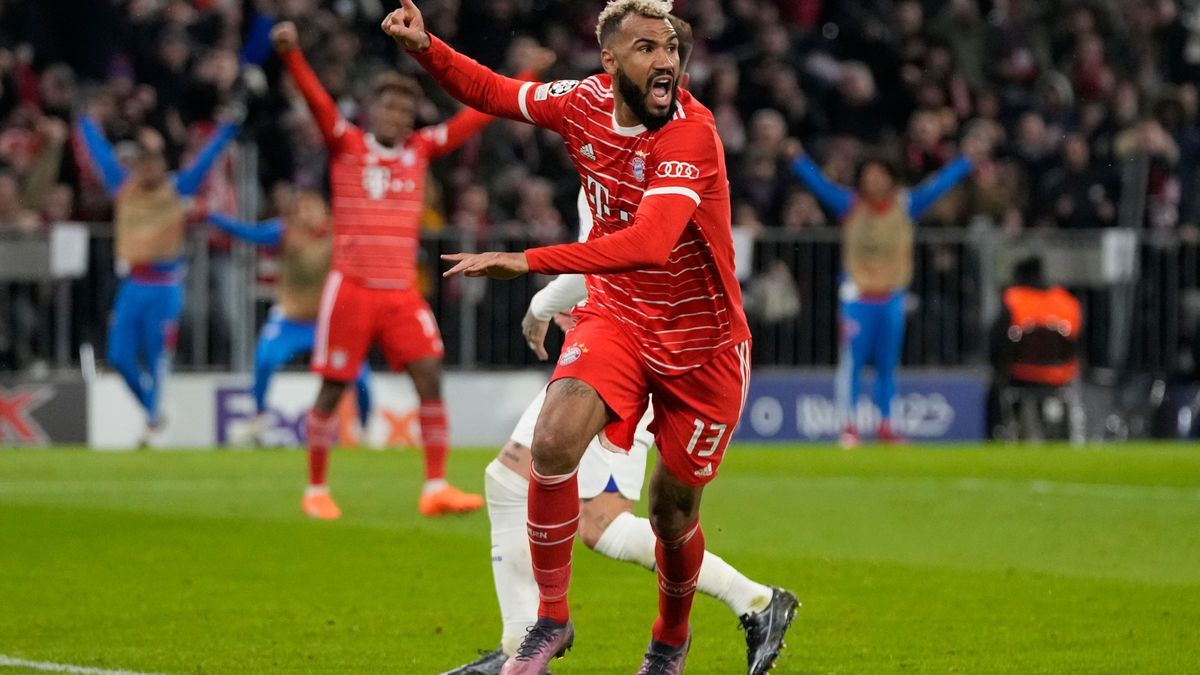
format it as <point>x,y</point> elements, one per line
<point>377,193</point>
<point>659,258</point>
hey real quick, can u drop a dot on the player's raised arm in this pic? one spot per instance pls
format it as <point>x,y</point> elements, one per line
<point>473,84</point>
<point>103,155</point>
<point>267,233</point>
<point>833,196</point>
<point>189,179</point>
<point>448,136</point>
<point>324,110</point>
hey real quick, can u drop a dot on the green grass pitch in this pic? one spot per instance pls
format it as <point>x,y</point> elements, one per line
<point>971,560</point>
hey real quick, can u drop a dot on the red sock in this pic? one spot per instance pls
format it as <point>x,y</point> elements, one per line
<point>435,436</point>
<point>678,571</point>
<point>553,520</point>
<point>322,431</point>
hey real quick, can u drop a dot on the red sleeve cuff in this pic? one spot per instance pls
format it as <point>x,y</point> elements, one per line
<point>534,258</point>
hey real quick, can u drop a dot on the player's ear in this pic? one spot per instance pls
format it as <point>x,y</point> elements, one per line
<point>683,81</point>
<point>609,61</point>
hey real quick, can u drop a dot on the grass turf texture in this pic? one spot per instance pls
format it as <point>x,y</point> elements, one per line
<point>919,560</point>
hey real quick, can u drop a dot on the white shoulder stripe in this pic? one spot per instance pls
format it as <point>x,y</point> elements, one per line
<point>671,190</point>
<point>521,100</point>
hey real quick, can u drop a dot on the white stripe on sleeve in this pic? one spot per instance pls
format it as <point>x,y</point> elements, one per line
<point>672,190</point>
<point>521,101</point>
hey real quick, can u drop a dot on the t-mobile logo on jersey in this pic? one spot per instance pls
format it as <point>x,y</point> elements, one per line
<point>600,197</point>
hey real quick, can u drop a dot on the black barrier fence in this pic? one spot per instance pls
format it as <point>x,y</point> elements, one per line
<point>1140,292</point>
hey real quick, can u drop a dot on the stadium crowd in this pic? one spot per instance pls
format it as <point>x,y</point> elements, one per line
<point>1063,90</point>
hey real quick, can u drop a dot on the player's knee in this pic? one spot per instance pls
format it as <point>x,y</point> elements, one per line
<point>329,396</point>
<point>428,388</point>
<point>668,524</point>
<point>426,375</point>
<point>555,451</point>
<point>670,519</point>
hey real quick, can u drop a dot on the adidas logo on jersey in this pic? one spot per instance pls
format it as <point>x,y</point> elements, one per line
<point>705,472</point>
<point>588,152</point>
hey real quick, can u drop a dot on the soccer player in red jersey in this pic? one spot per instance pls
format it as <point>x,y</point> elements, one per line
<point>664,314</point>
<point>377,180</point>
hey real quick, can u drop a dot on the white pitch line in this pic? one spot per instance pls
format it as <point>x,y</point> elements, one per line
<point>1037,487</point>
<point>126,485</point>
<point>10,662</point>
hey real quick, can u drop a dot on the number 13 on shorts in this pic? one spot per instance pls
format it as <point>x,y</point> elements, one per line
<point>707,437</point>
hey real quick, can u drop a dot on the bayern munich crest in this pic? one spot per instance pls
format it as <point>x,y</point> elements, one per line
<point>571,354</point>
<point>639,169</point>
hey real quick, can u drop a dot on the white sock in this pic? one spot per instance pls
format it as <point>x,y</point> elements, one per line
<point>631,539</point>
<point>512,566</point>
<point>720,580</point>
<point>628,538</point>
<point>434,485</point>
<point>316,490</point>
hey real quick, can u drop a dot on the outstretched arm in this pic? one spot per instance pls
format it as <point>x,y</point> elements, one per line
<point>444,138</point>
<point>324,110</point>
<point>833,196</point>
<point>474,85</point>
<point>647,243</point>
<point>103,155</point>
<point>188,180</point>
<point>936,186</point>
<point>267,233</point>
<point>662,216</point>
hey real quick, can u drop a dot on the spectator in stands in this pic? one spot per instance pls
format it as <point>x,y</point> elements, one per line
<point>1077,194</point>
<point>473,211</point>
<point>537,213</point>
<point>1150,143</point>
<point>15,218</point>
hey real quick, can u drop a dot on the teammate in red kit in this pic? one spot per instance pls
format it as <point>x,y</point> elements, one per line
<point>664,314</point>
<point>377,181</point>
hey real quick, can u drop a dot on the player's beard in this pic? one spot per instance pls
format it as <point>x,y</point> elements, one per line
<point>635,98</point>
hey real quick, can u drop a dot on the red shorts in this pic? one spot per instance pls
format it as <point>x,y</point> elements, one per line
<point>354,316</point>
<point>694,412</point>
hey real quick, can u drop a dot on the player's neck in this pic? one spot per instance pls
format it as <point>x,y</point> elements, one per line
<point>622,113</point>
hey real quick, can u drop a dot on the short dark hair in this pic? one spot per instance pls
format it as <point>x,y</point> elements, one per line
<point>877,160</point>
<point>391,81</point>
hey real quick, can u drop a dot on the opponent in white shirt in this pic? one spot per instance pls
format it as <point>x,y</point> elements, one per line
<point>610,481</point>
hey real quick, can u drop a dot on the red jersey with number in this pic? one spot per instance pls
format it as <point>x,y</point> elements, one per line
<point>659,258</point>
<point>378,193</point>
<point>686,311</point>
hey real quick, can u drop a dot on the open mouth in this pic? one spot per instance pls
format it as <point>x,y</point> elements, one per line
<point>660,90</point>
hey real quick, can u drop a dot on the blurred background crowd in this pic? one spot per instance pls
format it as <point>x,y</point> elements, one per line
<point>1066,90</point>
